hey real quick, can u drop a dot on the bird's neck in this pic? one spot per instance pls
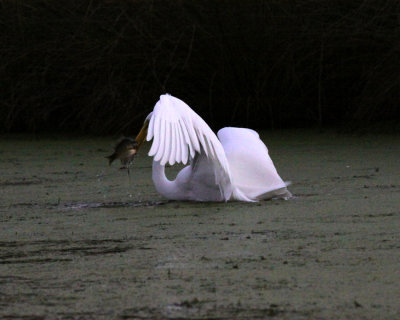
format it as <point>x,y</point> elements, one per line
<point>167,188</point>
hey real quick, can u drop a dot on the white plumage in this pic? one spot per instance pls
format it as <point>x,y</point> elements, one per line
<point>234,167</point>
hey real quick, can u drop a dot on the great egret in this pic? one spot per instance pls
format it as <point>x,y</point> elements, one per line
<point>235,167</point>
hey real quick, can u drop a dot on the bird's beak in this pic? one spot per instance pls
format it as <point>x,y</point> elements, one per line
<point>142,134</point>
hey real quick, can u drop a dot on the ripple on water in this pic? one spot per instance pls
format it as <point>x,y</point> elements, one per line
<point>112,204</point>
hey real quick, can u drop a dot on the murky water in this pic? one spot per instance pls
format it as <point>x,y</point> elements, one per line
<point>81,240</point>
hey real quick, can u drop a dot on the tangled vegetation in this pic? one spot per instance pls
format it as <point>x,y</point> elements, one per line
<point>99,66</point>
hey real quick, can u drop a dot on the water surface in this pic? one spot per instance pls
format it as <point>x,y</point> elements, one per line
<point>81,240</point>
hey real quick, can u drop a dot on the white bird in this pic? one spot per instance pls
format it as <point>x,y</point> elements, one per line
<point>235,167</point>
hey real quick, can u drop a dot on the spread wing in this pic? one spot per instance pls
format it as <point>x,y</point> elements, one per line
<point>179,134</point>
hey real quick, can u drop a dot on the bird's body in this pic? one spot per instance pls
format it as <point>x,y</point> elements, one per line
<point>234,166</point>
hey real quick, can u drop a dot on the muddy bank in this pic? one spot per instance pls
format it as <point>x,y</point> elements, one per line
<point>80,240</point>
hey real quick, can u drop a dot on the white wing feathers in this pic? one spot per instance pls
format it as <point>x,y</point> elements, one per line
<point>179,133</point>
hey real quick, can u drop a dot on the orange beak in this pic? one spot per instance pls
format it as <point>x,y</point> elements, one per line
<point>142,134</point>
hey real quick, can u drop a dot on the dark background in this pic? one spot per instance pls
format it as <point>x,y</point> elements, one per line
<point>99,66</point>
